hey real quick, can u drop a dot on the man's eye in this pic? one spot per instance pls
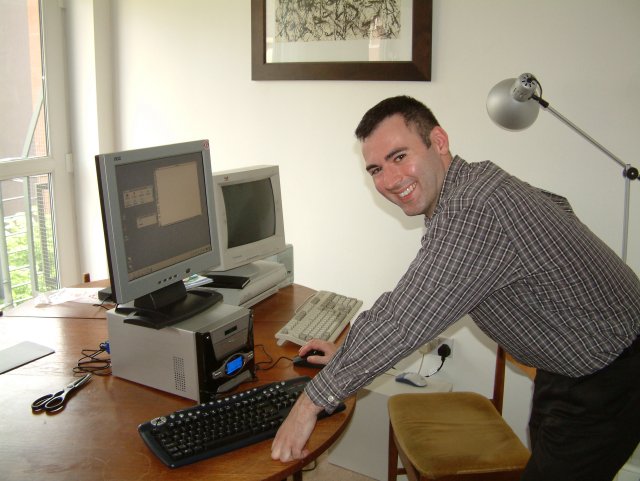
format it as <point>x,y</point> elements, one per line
<point>374,171</point>
<point>399,157</point>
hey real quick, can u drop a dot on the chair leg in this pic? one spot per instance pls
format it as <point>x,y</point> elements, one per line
<point>392,463</point>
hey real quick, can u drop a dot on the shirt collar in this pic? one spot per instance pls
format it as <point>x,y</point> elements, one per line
<point>456,166</point>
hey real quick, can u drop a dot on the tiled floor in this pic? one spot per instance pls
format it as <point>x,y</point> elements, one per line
<point>325,471</point>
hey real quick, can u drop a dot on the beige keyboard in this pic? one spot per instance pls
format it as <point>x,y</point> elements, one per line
<point>323,316</point>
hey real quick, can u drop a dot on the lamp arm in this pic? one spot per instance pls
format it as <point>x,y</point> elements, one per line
<point>629,173</point>
<point>545,105</point>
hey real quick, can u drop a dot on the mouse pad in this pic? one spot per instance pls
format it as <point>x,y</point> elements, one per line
<point>20,354</point>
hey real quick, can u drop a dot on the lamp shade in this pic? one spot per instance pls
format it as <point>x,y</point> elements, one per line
<point>509,103</point>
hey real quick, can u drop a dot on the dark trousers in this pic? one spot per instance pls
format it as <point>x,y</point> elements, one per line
<point>584,429</point>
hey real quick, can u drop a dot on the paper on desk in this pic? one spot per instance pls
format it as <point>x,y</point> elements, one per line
<point>82,295</point>
<point>20,354</point>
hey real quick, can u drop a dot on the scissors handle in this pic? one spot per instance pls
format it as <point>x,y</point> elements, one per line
<point>39,404</point>
<point>55,402</point>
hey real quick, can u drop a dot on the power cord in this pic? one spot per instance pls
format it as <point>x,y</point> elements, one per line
<point>444,351</point>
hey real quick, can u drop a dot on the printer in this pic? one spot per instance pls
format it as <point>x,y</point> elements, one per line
<point>198,358</point>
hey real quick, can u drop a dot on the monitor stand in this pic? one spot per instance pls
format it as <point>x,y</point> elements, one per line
<point>265,279</point>
<point>169,305</point>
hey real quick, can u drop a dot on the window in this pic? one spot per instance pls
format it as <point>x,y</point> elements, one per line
<point>28,259</point>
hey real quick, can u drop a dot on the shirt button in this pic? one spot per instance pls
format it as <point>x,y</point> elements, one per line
<point>331,399</point>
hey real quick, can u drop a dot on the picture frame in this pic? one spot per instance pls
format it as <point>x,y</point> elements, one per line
<point>418,68</point>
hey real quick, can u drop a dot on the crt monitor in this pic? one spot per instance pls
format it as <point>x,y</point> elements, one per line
<point>248,207</point>
<point>159,225</point>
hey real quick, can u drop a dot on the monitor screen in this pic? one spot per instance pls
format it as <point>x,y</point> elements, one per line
<point>252,200</point>
<point>158,217</point>
<point>248,206</point>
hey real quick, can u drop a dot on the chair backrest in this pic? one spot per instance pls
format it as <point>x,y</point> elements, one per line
<point>498,382</point>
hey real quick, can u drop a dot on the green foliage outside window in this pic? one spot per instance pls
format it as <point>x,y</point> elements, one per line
<point>18,256</point>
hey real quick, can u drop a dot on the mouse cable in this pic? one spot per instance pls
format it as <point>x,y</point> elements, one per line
<point>270,360</point>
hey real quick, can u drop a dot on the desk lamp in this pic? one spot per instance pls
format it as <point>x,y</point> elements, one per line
<point>514,104</point>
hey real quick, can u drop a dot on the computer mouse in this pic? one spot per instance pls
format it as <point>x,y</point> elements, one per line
<point>302,360</point>
<point>314,352</point>
<point>412,378</point>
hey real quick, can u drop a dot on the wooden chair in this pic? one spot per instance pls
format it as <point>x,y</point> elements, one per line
<point>454,435</point>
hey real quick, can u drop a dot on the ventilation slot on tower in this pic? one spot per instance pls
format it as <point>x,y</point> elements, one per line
<point>178,372</point>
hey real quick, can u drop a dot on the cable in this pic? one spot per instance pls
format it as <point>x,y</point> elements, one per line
<point>538,98</point>
<point>310,467</point>
<point>421,363</point>
<point>437,370</point>
<point>444,351</point>
<point>95,361</point>
<point>105,304</point>
<point>270,361</point>
<point>259,368</point>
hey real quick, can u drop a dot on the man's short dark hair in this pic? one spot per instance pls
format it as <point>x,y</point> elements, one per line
<point>415,114</point>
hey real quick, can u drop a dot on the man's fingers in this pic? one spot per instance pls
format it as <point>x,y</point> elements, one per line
<point>291,439</point>
<point>276,455</point>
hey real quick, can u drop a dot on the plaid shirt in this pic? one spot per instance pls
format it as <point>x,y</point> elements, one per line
<point>517,259</point>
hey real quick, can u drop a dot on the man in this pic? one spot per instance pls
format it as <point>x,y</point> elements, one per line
<point>529,273</point>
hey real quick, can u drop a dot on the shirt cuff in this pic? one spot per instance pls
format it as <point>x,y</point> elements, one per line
<point>321,394</point>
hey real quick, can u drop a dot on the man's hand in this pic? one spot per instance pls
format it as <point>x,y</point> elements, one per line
<point>328,348</point>
<point>291,438</point>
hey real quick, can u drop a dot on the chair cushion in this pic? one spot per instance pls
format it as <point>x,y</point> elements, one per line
<point>454,433</point>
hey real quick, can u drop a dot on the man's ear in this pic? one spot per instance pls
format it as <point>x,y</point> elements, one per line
<point>439,140</point>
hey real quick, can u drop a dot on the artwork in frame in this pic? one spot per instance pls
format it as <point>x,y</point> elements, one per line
<point>341,40</point>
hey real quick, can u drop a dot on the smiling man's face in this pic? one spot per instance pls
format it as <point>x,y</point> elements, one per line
<point>403,168</point>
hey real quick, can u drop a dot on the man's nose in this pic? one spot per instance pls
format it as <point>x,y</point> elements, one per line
<point>391,177</point>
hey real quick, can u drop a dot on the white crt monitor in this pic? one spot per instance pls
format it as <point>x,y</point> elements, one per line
<point>248,205</point>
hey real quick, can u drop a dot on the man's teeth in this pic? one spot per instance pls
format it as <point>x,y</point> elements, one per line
<point>408,190</point>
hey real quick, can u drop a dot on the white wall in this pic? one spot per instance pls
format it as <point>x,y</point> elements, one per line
<point>182,71</point>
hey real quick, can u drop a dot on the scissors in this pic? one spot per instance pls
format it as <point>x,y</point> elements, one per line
<point>55,402</point>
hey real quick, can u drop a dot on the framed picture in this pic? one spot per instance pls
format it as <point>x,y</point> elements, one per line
<point>341,40</point>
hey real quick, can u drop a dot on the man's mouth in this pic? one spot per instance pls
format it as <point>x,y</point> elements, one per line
<point>407,191</point>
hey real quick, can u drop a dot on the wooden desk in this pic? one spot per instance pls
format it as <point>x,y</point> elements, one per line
<point>95,437</point>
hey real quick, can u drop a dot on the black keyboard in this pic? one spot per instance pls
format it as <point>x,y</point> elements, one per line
<point>223,425</point>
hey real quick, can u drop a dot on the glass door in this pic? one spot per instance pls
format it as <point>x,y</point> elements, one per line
<point>35,180</point>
